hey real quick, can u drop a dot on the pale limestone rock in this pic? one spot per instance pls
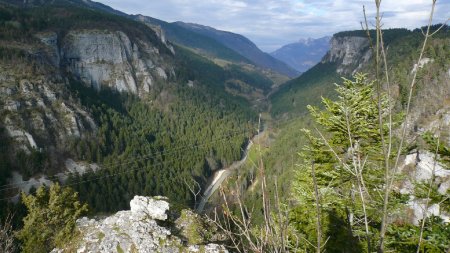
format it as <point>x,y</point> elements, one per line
<point>141,66</point>
<point>87,118</point>
<point>161,73</point>
<point>422,63</point>
<point>7,90</point>
<point>351,51</point>
<point>172,72</point>
<point>424,166</point>
<point>154,209</point>
<point>37,122</point>
<point>134,231</point>
<point>106,58</point>
<point>26,185</point>
<point>80,167</point>
<point>97,56</point>
<point>121,85</point>
<point>147,83</point>
<point>72,124</point>
<point>149,63</point>
<point>40,103</point>
<point>427,165</point>
<point>11,105</point>
<point>26,87</point>
<point>419,167</point>
<point>418,207</point>
<point>131,83</point>
<point>30,139</point>
<point>21,136</point>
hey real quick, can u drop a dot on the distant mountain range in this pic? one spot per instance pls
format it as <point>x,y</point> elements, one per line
<point>304,54</point>
<point>242,46</point>
<point>200,43</point>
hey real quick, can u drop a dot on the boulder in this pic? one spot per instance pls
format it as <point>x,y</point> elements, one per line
<point>151,207</point>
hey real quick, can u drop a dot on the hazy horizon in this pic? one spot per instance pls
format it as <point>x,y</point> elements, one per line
<point>271,24</point>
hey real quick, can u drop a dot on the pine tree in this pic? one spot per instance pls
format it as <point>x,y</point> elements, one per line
<point>345,149</point>
<point>51,218</point>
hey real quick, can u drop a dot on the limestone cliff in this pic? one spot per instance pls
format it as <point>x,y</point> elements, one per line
<point>350,53</point>
<point>111,59</point>
<point>147,227</point>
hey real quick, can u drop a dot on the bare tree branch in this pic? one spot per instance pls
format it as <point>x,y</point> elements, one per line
<point>195,188</point>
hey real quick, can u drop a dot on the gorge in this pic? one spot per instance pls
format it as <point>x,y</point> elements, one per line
<point>119,107</point>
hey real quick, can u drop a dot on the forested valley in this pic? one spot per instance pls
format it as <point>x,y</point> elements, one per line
<point>98,108</point>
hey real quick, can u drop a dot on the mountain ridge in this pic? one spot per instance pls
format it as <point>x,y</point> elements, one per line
<point>303,54</point>
<point>243,46</point>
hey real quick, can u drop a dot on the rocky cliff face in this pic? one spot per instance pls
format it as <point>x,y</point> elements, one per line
<point>38,110</point>
<point>350,53</point>
<point>106,58</point>
<point>147,227</point>
<point>39,117</point>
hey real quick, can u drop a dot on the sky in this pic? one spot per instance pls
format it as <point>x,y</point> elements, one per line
<point>271,24</point>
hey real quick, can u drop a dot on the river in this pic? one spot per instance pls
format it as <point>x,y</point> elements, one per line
<point>220,175</point>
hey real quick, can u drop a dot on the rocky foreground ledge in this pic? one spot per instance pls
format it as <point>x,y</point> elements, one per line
<point>147,227</point>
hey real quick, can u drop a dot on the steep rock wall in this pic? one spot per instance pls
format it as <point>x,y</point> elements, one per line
<point>349,52</point>
<point>111,59</point>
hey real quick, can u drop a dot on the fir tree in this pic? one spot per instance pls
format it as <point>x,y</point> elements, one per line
<point>51,218</point>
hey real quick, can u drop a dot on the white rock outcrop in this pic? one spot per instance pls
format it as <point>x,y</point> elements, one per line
<point>422,63</point>
<point>420,167</point>
<point>418,207</point>
<point>26,185</point>
<point>79,167</point>
<point>135,231</point>
<point>21,136</point>
<point>150,207</point>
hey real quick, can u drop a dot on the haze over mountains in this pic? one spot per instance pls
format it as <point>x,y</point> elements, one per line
<point>243,46</point>
<point>303,54</point>
<point>290,60</point>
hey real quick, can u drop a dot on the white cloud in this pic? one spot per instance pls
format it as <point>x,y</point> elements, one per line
<point>273,23</point>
